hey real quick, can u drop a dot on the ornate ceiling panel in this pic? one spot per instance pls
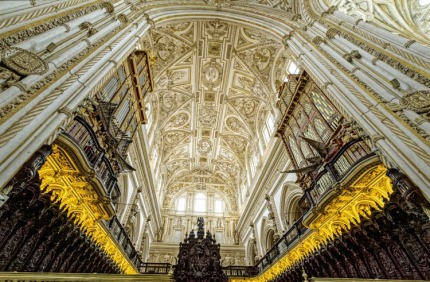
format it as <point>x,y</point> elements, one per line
<point>214,86</point>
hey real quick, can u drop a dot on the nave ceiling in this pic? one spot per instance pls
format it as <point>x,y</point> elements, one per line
<point>214,87</point>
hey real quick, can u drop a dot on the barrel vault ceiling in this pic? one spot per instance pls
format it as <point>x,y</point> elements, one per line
<point>214,86</point>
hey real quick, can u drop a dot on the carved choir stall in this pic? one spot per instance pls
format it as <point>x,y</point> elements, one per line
<point>359,217</point>
<point>199,258</point>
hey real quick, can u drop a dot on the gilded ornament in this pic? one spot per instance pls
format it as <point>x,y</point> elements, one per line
<point>64,182</point>
<point>23,62</point>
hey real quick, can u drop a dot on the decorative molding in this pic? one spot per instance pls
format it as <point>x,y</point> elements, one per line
<point>23,62</point>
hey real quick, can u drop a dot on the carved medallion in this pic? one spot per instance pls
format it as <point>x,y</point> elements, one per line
<point>168,100</point>
<point>178,120</point>
<point>23,61</point>
<point>204,146</point>
<point>262,58</point>
<point>212,74</point>
<point>165,48</point>
<point>235,125</point>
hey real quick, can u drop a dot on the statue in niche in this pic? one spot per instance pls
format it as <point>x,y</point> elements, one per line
<point>236,236</point>
<point>7,78</point>
<point>219,223</point>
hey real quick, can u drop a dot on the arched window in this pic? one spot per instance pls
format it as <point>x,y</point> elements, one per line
<point>270,239</point>
<point>219,206</point>
<point>292,68</point>
<point>181,204</point>
<point>268,128</point>
<point>200,202</point>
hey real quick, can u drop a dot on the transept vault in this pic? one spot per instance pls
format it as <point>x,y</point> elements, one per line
<point>295,130</point>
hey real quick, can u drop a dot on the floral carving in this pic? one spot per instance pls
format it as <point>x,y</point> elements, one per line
<point>418,101</point>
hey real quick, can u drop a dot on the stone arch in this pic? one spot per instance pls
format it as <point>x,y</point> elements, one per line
<point>267,239</point>
<point>251,252</point>
<point>290,210</point>
<point>270,239</point>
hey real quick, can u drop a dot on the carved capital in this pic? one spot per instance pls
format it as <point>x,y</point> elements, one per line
<point>109,7</point>
<point>296,17</point>
<point>332,32</point>
<point>409,43</point>
<point>287,37</point>
<point>318,40</point>
<point>123,18</point>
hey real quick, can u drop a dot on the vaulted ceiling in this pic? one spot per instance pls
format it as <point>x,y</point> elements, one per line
<point>214,88</point>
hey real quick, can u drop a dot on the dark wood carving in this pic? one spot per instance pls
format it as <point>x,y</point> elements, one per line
<point>393,244</point>
<point>199,258</point>
<point>36,235</point>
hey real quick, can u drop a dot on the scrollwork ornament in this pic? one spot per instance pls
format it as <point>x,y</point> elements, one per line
<point>418,102</point>
<point>7,78</point>
<point>23,62</point>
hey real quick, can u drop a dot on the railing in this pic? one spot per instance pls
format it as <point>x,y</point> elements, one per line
<point>348,157</point>
<point>240,271</point>
<point>124,241</point>
<point>155,268</point>
<point>81,133</point>
<point>281,246</point>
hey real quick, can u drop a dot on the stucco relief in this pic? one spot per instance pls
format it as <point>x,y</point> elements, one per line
<point>23,62</point>
<point>216,29</point>
<point>411,20</point>
<point>417,101</point>
<point>212,74</point>
<point>178,120</point>
<point>204,146</point>
<point>208,115</point>
<point>202,66</point>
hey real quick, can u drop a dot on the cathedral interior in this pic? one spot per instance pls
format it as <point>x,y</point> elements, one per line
<point>214,140</point>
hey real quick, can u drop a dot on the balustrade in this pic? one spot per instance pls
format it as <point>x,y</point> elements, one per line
<point>82,134</point>
<point>155,268</point>
<point>348,157</point>
<point>120,235</point>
